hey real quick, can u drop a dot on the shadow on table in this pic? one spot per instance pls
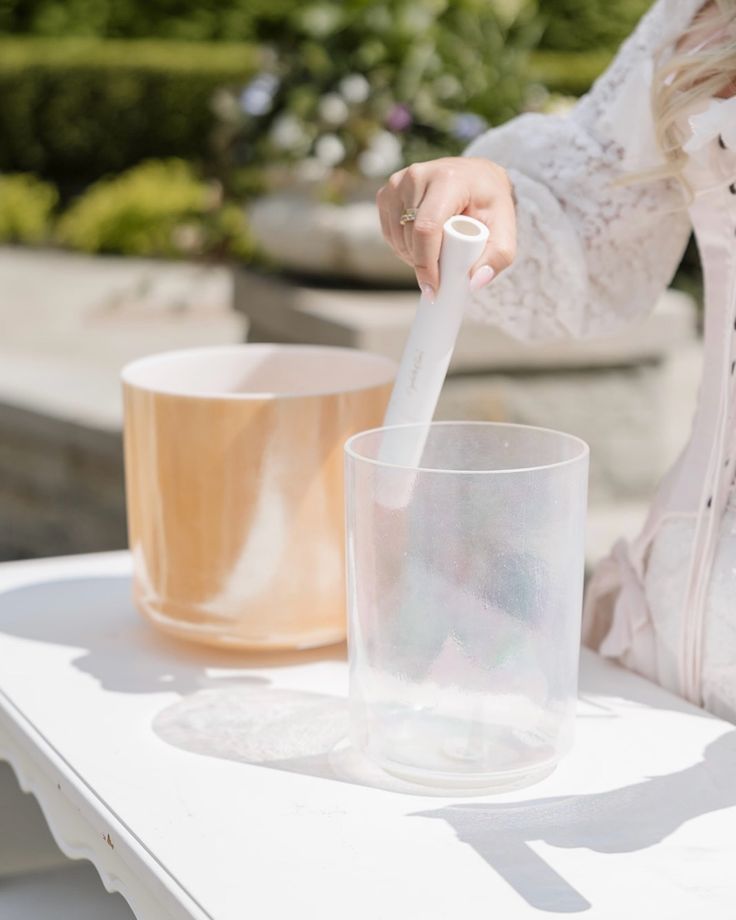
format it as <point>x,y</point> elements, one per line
<point>618,821</point>
<point>301,733</point>
<point>118,648</point>
<point>243,718</point>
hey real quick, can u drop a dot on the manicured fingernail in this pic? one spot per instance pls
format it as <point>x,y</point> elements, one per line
<point>427,291</point>
<point>482,277</point>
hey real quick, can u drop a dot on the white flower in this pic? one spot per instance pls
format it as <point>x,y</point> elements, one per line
<point>370,164</point>
<point>329,150</point>
<point>333,109</point>
<point>288,133</point>
<point>225,105</point>
<point>257,97</point>
<point>383,155</point>
<point>321,20</point>
<point>389,146</point>
<point>355,88</point>
<point>311,170</point>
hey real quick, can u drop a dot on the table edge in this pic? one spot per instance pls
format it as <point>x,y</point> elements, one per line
<point>84,828</point>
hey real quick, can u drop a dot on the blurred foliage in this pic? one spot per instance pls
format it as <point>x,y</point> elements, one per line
<point>26,206</point>
<point>206,20</point>
<point>570,25</point>
<point>316,89</point>
<point>365,87</point>
<point>158,208</point>
<point>565,72</point>
<point>585,25</point>
<point>356,86</point>
<point>76,109</point>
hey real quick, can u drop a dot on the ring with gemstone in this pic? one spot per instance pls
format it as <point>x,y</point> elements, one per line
<point>407,216</point>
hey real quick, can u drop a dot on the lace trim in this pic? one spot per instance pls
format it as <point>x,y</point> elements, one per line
<point>592,255</point>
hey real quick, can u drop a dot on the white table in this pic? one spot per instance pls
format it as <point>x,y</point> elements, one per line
<point>210,785</point>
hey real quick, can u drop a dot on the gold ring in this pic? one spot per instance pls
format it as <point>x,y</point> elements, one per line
<point>407,216</point>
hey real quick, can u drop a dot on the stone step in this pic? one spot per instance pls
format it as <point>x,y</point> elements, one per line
<point>68,324</point>
<point>63,345</point>
<point>283,310</point>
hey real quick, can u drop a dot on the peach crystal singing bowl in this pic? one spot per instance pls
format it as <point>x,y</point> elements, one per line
<point>234,482</point>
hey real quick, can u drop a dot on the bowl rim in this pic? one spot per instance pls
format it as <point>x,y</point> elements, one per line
<point>351,451</point>
<point>133,368</point>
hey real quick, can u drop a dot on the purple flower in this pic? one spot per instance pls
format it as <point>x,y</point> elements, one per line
<point>467,125</point>
<point>399,118</point>
<point>257,97</point>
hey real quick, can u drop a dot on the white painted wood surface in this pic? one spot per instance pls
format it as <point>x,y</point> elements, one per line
<point>209,785</point>
<point>37,882</point>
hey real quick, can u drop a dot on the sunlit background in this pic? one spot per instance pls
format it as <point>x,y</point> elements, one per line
<point>174,174</point>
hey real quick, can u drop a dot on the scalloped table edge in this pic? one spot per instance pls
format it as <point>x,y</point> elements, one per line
<point>84,828</point>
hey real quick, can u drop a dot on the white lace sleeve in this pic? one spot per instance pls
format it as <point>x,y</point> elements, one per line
<point>592,254</point>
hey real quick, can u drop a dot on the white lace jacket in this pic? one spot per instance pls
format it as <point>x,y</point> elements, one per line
<point>594,255</point>
<point>591,255</point>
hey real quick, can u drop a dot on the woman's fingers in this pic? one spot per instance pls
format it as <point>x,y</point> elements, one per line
<point>440,202</point>
<point>410,191</point>
<point>389,212</point>
<point>404,190</point>
<point>391,237</point>
<point>482,276</point>
<point>501,246</point>
<point>437,190</point>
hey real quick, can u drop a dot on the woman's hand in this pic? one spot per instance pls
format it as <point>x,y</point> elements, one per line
<point>438,189</point>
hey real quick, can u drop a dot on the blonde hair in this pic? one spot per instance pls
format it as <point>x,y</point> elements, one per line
<point>702,66</point>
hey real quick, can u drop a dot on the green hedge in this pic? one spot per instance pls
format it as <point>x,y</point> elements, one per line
<point>26,209</point>
<point>158,208</point>
<point>571,25</point>
<point>585,25</point>
<point>77,109</point>
<point>181,20</point>
<point>565,72</point>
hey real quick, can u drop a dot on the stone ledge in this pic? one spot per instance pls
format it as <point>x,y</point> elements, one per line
<point>617,411</point>
<point>63,344</point>
<point>61,485</point>
<point>282,310</point>
<point>69,323</point>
